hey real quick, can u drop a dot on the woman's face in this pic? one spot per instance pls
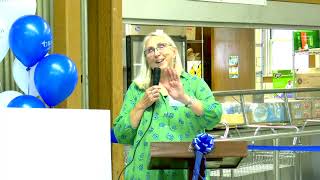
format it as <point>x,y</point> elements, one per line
<point>159,53</point>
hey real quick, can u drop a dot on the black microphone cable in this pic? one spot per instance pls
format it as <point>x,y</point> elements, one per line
<point>134,152</point>
<point>155,81</point>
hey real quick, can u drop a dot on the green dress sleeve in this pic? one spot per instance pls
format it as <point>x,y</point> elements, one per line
<point>211,108</point>
<point>123,130</point>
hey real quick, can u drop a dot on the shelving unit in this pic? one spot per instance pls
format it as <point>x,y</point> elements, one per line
<point>309,52</point>
<point>314,51</point>
<point>197,46</point>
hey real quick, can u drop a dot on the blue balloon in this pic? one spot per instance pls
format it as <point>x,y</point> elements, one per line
<point>30,39</point>
<point>26,101</point>
<point>113,137</point>
<point>55,78</point>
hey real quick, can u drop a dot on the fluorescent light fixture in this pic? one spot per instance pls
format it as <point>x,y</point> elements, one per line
<point>252,2</point>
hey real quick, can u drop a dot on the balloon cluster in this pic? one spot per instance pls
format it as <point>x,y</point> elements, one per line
<point>53,77</point>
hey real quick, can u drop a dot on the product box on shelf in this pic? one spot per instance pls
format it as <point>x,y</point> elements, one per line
<point>315,108</point>
<point>300,109</point>
<point>307,79</point>
<point>282,79</point>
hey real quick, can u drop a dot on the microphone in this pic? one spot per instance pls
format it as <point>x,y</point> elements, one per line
<point>156,76</point>
<point>155,80</point>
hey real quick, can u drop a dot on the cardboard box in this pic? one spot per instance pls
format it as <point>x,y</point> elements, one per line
<point>308,79</point>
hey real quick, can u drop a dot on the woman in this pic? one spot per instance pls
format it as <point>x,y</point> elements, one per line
<point>184,107</point>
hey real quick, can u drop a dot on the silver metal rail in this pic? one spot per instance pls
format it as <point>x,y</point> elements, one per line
<point>286,104</point>
<point>258,127</point>
<point>226,132</point>
<point>246,121</point>
<point>309,120</point>
<point>264,91</point>
<point>274,136</point>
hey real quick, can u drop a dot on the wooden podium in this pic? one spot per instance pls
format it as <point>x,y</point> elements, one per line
<point>176,155</point>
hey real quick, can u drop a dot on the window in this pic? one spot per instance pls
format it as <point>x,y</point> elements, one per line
<point>281,49</point>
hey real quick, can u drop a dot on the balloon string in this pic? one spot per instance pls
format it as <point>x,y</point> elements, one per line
<point>1,88</point>
<point>28,69</point>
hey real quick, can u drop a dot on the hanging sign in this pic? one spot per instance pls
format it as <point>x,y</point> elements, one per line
<point>233,64</point>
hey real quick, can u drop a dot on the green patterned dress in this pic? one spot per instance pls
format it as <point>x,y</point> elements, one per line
<point>169,124</point>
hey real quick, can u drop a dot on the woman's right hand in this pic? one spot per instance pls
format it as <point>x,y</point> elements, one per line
<point>151,95</point>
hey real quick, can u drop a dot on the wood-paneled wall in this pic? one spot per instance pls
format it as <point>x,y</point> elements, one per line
<point>67,41</point>
<point>105,64</point>
<point>228,42</point>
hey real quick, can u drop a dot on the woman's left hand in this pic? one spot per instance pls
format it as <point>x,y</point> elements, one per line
<point>173,84</point>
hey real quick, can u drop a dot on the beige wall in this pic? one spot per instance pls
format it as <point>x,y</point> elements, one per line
<point>275,14</point>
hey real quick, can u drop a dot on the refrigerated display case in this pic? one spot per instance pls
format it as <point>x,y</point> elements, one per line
<point>252,116</point>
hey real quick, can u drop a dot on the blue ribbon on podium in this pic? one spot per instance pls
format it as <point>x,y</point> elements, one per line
<point>202,144</point>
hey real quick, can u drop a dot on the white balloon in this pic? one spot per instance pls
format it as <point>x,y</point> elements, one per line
<point>7,96</point>
<point>23,78</point>
<point>4,39</point>
<point>13,9</point>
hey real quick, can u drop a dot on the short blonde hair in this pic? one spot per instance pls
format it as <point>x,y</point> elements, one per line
<point>143,80</point>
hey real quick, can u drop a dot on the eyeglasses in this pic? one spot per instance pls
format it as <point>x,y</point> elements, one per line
<point>160,47</point>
